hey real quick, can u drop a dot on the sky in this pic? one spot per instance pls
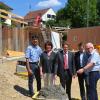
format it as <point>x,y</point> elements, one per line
<point>22,7</point>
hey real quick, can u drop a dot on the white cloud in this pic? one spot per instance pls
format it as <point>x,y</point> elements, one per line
<point>49,3</point>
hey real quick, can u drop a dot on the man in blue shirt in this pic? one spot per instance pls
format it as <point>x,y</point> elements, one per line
<point>32,55</point>
<point>93,67</point>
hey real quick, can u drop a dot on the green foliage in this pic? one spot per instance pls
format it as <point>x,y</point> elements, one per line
<point>50,23</point>
<point>80,13</point>
<point>64,38</point>
<point>58,23</point>
<point>4,7</point>
<point>61,14</point>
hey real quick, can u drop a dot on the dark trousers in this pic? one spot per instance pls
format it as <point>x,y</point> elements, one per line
<point>36,74</point>
<point>92,90</point>
<point>83,84</point>
<point>66,81</point>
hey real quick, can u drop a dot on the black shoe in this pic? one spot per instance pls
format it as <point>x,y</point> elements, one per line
<point>30,95</point>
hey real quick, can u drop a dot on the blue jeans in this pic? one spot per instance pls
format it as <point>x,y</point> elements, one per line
<point>92,89</point>
<point>36,74</point>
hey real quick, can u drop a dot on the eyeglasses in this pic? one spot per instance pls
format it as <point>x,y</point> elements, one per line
<point>89,48</point>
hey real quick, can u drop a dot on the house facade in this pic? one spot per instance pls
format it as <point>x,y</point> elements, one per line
<point>34,17</point>
<point>5,7</point>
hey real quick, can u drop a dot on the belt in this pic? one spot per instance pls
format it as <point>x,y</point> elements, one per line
<point>33,62</point>
<point>94,72</point>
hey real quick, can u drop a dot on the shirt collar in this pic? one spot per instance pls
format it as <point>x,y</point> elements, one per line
<point>93,51</point>
<point>35,46</point>
<point>81,51</point>
<point>65,53</point>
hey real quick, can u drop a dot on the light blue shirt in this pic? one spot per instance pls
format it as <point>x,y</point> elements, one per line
<point>95,58</point>
<point>33,53</point>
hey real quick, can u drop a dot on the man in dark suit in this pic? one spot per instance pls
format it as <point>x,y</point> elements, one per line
<point>66,68</point>
<point>81,58</point>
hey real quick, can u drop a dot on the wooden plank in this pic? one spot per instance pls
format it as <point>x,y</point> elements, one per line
<point>12,53</point>
<point>9,38</point>
<point>22,39</point>
<point>16,20</point>
<point>16,39</point>
<point>7,12</point>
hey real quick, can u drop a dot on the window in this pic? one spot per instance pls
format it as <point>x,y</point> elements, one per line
<point>75,38</point>
<point>53,16</point>
<point>30,23</point>
<point>48,16</point>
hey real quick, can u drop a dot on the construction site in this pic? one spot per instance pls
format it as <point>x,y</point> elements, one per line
<point>14,40</point>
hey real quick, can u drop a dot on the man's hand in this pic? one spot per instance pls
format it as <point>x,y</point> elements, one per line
<point>80,71</point>
<point>30,72</point>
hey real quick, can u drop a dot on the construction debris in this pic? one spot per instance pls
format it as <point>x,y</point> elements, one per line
<point>11,53</point>
<point>55,92</point>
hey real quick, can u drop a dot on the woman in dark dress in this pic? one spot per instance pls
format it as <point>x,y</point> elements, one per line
<point>49,64</point>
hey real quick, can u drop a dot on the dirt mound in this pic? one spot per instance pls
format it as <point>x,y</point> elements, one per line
<point>55,92</point>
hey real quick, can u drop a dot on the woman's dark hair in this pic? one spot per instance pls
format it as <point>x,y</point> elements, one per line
<point>48,43</point>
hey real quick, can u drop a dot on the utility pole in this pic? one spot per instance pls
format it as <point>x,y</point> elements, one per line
<point>87,24</point>
<point>30,7</point>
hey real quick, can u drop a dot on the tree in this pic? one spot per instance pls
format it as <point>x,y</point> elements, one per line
<point>80,13</point>
<point>98,7</point>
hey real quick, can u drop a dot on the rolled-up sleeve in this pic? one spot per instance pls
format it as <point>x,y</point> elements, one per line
<point>94,58</point>
<point>27,53</point>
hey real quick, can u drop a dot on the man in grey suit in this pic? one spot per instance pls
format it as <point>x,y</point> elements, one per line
<point>66,68</point>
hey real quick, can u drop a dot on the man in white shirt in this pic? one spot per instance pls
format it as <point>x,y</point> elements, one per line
<point>93,67</point>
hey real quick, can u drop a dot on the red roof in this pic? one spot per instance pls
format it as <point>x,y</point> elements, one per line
<point>34,14</point>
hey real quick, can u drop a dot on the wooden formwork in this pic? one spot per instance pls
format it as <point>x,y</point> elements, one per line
<point>17,38</point>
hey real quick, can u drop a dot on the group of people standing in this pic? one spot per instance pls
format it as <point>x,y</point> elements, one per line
<point>66,65</point>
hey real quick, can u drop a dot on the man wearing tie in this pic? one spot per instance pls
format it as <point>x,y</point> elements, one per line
<point>66,68</point>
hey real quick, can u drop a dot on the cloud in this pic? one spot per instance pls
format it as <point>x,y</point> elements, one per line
<point>49,3</point>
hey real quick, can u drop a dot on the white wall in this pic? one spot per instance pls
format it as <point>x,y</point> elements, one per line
<point>8,21</point>
<point>51,12</point>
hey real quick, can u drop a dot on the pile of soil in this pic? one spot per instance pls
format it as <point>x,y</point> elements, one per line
<point>55,92</point>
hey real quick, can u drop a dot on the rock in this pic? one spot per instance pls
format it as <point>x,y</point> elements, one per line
<point>55,92</point>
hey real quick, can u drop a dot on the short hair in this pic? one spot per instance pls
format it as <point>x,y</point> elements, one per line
<point>89,44</point>
<point>65,43</point>
<point>34,37</point>
<point>80,44</point>
<point>48,43</point>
